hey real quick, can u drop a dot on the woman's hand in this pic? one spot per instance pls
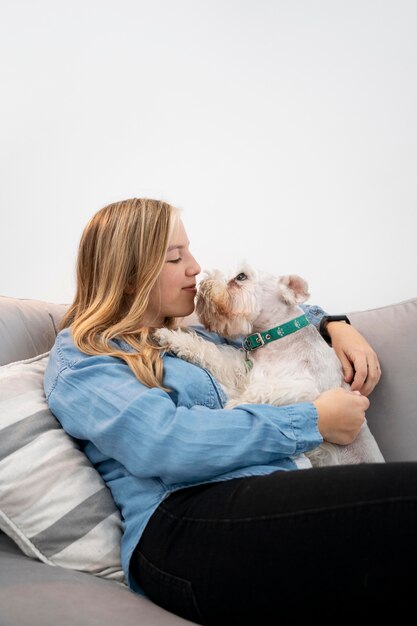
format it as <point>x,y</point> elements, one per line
<point>359,361</point>
<point>341,414</point>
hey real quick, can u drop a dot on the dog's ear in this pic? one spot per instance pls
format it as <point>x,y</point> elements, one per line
<point>294,289</point>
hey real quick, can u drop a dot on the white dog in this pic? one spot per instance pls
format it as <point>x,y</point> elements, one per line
<point>284,358</point>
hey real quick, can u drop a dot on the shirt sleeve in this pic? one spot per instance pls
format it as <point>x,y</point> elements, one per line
<point>100,400</point>
<point>314,313</point>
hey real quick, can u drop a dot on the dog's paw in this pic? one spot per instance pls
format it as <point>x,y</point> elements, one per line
<point>164,337</point>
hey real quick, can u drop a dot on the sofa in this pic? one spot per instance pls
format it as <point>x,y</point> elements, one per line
<point>47,572</point>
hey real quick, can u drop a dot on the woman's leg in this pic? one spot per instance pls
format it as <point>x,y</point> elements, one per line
<point>290,544</point>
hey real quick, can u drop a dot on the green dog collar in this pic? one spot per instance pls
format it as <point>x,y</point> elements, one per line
<point>256,340</point>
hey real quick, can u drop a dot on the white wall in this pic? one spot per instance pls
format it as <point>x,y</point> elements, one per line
<point>286,130</point>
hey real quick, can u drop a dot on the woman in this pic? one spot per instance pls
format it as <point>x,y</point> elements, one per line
<point>216,529</point>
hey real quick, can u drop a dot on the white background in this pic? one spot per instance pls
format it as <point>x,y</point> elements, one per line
<point>286,131</point>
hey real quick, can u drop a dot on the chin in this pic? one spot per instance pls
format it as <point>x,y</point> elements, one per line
<point>187,311</point>
<point>184,311</point>
<point>181,309</point>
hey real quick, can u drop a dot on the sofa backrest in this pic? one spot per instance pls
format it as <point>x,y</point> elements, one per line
<point>392,332</point>
<point>27,327</point>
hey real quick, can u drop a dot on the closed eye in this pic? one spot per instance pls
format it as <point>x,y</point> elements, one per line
<point>175,260</point>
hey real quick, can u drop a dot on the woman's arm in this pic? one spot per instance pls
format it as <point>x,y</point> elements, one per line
<point>100,400</point>
<point>359,361</point>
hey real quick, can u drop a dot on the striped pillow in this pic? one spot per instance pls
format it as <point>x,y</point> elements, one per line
<point>53,503</point>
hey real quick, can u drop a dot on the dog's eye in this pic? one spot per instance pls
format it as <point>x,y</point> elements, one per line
<point>240,277</point>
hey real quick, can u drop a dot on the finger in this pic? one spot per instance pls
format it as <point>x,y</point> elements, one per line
<point>374,374</point>
<point>366,402</point>
<point>347,368</point>
<point>360,365</point>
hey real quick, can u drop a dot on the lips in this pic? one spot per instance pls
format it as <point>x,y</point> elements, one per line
<point>190,288</point>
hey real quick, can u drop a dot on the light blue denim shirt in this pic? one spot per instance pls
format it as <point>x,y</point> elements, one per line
<point>147,443</point>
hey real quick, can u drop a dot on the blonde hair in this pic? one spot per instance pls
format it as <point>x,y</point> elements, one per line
<point>121,254</point>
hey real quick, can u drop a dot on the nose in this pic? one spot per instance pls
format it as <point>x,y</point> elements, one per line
<point>193,267</point>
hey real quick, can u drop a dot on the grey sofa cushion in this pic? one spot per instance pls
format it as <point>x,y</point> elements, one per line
<point>392,416</point>
<point>35,594</point>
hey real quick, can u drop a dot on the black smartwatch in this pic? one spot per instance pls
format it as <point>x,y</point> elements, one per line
<point>330,318</point>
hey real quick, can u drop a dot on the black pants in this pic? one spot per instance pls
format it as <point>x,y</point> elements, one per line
<point>291,544</point>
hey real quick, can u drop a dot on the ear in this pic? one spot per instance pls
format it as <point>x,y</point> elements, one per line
<point>294,289</point>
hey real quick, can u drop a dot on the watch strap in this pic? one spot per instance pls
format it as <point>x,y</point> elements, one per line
<point>330,318</point>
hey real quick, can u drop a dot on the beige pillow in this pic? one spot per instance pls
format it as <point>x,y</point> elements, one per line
<point>53,503</point>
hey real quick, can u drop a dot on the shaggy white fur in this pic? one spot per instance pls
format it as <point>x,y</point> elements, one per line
<point>295,368</point>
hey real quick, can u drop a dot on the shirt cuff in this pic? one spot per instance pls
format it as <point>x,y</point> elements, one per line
<point>314,314</point>
<point>304,418</point>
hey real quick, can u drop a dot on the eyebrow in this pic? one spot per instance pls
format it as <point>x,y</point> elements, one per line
<point>177,247</point>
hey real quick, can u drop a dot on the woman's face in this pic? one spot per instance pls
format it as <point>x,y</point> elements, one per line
<point>174,292</point>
